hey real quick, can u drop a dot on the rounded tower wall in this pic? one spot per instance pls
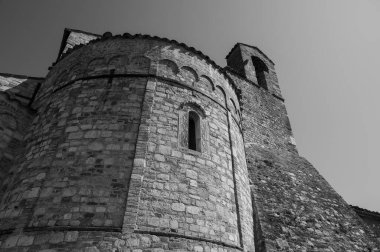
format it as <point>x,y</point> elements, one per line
<point>126,56</point>
<point>109,152</point>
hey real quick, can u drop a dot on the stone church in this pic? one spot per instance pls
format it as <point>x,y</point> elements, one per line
<point>144,144</point>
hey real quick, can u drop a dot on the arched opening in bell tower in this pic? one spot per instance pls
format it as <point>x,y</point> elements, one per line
<point>261,69</point>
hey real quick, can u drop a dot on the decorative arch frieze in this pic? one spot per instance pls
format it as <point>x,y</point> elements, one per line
<point>117,62</point>
<point>221,95</point>
<point>139,64</point>
<point>95,64</point>
<point>167,68</point>
<point>233,108</point>
<point>189,75</point>
<point>75,71</point>
<point>205,83</point>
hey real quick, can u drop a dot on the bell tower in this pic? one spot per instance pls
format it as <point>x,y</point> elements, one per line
<point>294,207</point>
<point>252,64</point>
<point>265,119</point>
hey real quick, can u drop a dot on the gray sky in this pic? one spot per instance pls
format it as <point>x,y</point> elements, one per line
<point>327,55</point>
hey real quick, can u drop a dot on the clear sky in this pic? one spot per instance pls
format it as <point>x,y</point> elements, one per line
<point>327,55</point>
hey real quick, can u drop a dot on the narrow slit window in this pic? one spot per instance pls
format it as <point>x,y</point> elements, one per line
<point>194,132</point>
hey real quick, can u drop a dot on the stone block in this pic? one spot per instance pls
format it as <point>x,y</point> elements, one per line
<point>56,237</point>
<point>96,146</point>
<point>25,240</point>
<point>10,242</point>
<point>192,210</point>
<point>198,248</point>
<point>91,249</point>
<point>180,207</point>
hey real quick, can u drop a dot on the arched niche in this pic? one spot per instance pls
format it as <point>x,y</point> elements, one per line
<point>221,95</point>
<point>205,83</point>
<point>96,63</point>
<point>139,64</point>
<point>189,75</point>
<point>117,62</point>
<point>75,71</point>
<point>167,68</point>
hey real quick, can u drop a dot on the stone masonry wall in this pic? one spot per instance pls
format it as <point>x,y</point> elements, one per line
<point>16,93</point>
<point>371,220</point>
<point>99,160</point>
<point>14,121</point>
<point>79,155</point>
<point>295,209</point>
<point>79,172</point>
<point>242,184</point>
<point>265,122</point>
<point>107,164</point>
<point>298,209</point>
<point>374,225</point>
<point>202,205</point>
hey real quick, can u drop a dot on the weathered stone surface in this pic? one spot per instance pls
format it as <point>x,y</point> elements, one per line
<point>109,161</point>
<point>16,92</point>
<point>25,241</point>
<point>295,208</point>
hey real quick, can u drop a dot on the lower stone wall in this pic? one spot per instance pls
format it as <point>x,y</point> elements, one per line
<point>373,225</point>
<point>370,219</point>
<point>98,241</point>
<point>297,210</point>
<point>78,157</point>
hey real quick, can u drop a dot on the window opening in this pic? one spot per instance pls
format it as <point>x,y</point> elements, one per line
<point>194,132</point>
<point>260,69</point>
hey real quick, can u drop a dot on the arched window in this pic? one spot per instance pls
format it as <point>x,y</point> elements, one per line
<point>194,131</point>
<point>260,69</point>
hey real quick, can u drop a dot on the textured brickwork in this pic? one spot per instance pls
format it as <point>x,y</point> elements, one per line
<point>107,151</point>
<point>295,209</point>
<point>15,118</point>
<point>371,219</point>
<point>137,143</point>
<point>265,122</point>
<point>298,210</point>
